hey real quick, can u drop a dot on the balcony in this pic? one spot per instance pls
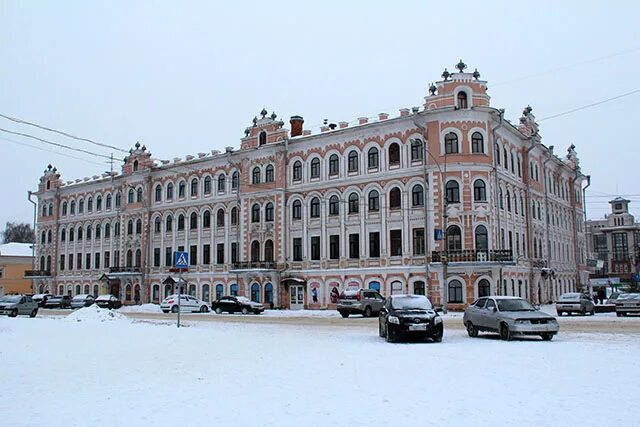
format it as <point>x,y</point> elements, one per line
<point>255,265</point>
<point>499,255</point>
<point>125,270</point>
<point>36,273</point>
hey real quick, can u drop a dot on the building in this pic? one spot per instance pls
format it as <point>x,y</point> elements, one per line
<point>291,216</point>
<point>615,240</point>
<point>15,258</point>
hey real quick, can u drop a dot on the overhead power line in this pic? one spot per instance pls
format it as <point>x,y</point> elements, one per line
<point>589,105</point>
<point>52,151</point>
<point>68,135</point>
<point>56,144</point>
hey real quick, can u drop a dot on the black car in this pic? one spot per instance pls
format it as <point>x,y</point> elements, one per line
<point>409,316</point>
<point>58,301</point>
<point>234,304</point>
<point>108,301</point>
<point>41,299</point>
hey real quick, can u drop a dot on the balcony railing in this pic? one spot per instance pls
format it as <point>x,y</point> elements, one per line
<point>37,273</point>
<point>252,265</point>
<point>499,255</point>
<point>125,270</point>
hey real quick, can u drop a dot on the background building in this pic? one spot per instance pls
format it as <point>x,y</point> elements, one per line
<point>15,258</point>
<point>449,199</point>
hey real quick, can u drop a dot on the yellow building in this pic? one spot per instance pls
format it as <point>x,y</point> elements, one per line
<point>15,259</point>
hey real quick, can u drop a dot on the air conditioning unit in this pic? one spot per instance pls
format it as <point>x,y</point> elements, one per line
<point>481,256</point>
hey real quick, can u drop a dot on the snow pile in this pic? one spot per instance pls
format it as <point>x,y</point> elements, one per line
<point>144,308</point>
<point>301,313</point>
<point>95,314</point>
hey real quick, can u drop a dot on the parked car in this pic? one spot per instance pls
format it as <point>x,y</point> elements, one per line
<point>58,301</point>
<point>508,316</point>
<point>575,302</point>
<point>614,297</point>
<point>82,300</point>
<point>360,301</point>
<point>188,304</point>
<point>233,304</point>
<point>40,299</point>
<point>628,304</point>
<point>409,316</point>
<point>108,301</point>
<point>12,305</point>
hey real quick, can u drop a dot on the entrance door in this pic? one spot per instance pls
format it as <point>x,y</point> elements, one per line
<point>114,288</point>
<point>297,297</point>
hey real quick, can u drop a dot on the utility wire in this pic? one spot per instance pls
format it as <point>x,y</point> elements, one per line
<point>589,105</point>
<point>50,151</point>
<point>17,120</point>
<point>56,144</point>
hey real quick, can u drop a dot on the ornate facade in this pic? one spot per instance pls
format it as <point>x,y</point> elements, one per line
<point>292,215</point>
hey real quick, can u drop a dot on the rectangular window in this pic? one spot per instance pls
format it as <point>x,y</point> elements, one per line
<point>96,260</point>
<point>297,249</point>
<point>374,244</point>
<point>193,255</point>
<point>395,242</point>
<point>79,262</point>
<point>354,246</point>
<point>156,257</point>
<point>234,252</point>
<point>87,261</point>
<point>334,246</point>
<point>220,253</point>
<point>62,264</point>
<point>181,248</point>
<point>418,241</point>
<point>620,247</point>
<point>107,259</point>
<point>116,258</point>
<point>71,262</point>
<point>206,254</point>
<point>315,248</point>
<point>168,257</point>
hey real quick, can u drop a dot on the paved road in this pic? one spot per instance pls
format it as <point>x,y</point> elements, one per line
<point>603,323</point>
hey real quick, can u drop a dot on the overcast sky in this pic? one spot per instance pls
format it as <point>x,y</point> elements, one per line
<point>187,77</point>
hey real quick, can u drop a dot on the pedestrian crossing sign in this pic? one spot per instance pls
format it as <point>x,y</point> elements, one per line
<point>181,259</point>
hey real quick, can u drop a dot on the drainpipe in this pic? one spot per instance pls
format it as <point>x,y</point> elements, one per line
<point>425,177</point>
<point>284,219</point>
<point>496,188</point>
<point>546,208</point>
<point>528,217</point>
<point>35,239</point>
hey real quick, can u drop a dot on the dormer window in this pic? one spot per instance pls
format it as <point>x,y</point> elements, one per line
<point>262,138</point>
<point>462,100</point>
<point>48,185</point>
<point>135,166</point>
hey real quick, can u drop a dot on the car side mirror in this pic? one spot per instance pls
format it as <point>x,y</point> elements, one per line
<point>495,309</point>
<point>439,310</point>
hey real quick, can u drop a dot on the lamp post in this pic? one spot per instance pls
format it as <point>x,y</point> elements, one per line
<point>445,215</point>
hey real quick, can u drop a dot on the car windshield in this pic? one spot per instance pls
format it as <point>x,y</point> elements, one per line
<point>572,296</point>
<point>11,298</point>
<point>243,299</point>
<point>514,305</point>
<point>80,297</point>
<point>411,302</point>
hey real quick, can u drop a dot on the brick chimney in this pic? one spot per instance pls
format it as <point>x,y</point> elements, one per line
<point>296,125</point>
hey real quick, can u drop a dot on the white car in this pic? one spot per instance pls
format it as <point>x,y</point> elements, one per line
<point>188,304</point>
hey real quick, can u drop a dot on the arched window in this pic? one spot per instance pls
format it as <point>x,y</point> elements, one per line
<point>63,235</point>
<point>268,251</point>
<point>207,185</point>
<point>354,203</point>
<point>220,218</point>
<point>139,226</point>
<point>138,258</point>
<point>454,238</point>
<point>129,259</point>
<point>135,166</point>
<point>206,219</point>
<point>462,100</point>
<point>262,138</point>
<point>99,203</point>
<point>80,233</point>
<point>48,263</point>
<point>194,187</point>
<point>64,208</point>
<point>416,150</point>
<point>455,292</point>
<point>118,199</point>
<point>375,286</point>
<point>193,221</point>
<point>334,165</point>
<point>255,292</point>
<point>505,157</point>
<point>268,212</point>
<point>49,234</point>
<point>297,170</point>
<point>255,251</point>
<point>482,238</point>
<point>234,216</point>
<point>222,183</point>
<point>484,288</point>
<point>315,168</point>
<point>235,180</point>
<point>72,207</point>
<point>168,224</point>
<point>334,205</point>
<point>219,291</point>
<point>158,193</point>
<point>515,203</point>
<point>508,201</point>
<point>315,208</point>
<point>98,232</point>
<point>107,231</point>
<point>234,290</point>
<point>206,297</point>
<point>130,227</point>
<point>501,197</point>
<point>182,189</point>
<point>477,143</point>
<point>352,163</point>
<point>255,175</point>
<point>43,238</point>
<point>296,210</point>
<point>513,169</point>
<point>451,143</point>
<point>269,174</point>
<point>372,158</point>
<point>108,201</point>
<point>479,191</point>
<point>139,195</point>
<point>116,229</point>
<point>268,293</point>
<point>417,195</point>
<point>255,213</point>
<point>394,154</point>
<point>50,209</point>
<point>157,225</point>
<point>89,204</point>
<point>181,222</point>
<point>453,192</point>
<point>374,201</point>
<point>395,198</point>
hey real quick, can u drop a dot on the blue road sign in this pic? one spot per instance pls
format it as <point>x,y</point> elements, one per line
<point>181,259</point>
<point>438,234</point>
<point>636,277</point>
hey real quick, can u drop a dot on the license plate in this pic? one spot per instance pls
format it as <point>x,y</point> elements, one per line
<point>418,327</point>
<point>567,306</point>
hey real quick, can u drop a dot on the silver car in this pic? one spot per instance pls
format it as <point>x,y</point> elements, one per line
<point>82,300</point>
<point>628,304</point>
<point>12,305</point>
<point>575,302</point>
<point>509,316</point>
<point>360,301</point>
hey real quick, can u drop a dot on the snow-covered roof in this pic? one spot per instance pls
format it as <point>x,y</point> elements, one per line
<point>16,249</point>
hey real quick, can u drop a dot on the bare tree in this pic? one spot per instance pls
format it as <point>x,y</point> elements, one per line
<point>18,232</point>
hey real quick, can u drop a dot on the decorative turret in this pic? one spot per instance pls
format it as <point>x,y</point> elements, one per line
<point>50,180</point>
<point>572,159</point>
<point>139,159</point>
<point>265,130</point>
<point>528,125</point>
<point>461,90</point>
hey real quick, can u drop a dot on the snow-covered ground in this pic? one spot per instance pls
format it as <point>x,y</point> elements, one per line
<point>113,371</point>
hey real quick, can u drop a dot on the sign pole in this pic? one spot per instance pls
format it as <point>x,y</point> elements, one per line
<point>179,295</point>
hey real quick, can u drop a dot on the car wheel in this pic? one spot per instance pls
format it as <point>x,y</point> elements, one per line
<point>174,309</point>
<point>559,314</point>
<point>546,337</point>
<point>388,337</point>
<point>245,310</point>
<point>204,309</point>
<point>218,310</point>
<point>367,312</point>
<point>380,334</point>
<point>34,313</point>
<point>619,314</point>
<point>593,312</point>
<point>13,313</point>
<point>165,311</point>
<point>437,338</point>
<point>344,314</point>
<point>583,312</point>
<point>256,312</point>
<point>471,330</point>
<point>505,333</point>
